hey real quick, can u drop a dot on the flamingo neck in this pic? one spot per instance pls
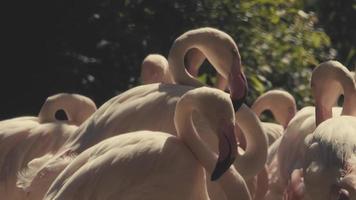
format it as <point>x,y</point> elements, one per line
<point>322,112</point>
<point>282,106</point>
<point>231,182</point>
<point>328,82</point>
<point>49,109</point>
<point>186,131</point>
<point>259,107</point>
<point>255,156</point>
<point>283,114</point>
<point>176,65</point>
<point>193,60</point>
<point>349,106</point>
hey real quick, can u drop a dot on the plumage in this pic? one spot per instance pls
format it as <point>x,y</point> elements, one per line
<point>157,165</point>
<point>25,138</point>
<point>150,107</point>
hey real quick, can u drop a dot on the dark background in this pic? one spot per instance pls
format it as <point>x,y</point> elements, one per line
<point>95,48</point>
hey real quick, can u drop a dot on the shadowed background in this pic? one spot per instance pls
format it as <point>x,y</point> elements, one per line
<point>95,48</point>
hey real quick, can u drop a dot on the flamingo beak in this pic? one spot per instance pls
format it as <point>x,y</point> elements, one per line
<point>227,151</point>
<point>238,90</point>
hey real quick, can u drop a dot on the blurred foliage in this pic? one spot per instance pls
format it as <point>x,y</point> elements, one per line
<point>96,47</point>
<point>337,19</point>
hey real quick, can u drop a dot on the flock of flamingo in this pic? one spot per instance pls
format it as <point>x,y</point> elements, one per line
<point>174,138</point>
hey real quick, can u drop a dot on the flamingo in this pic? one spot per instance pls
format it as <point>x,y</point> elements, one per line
<point>329,161</point>
<point>25,138</point>
<point>151,107</point>
<point>283,107</point>
<point>291,148</point>
<point>154,69</point>
<point>173,165</point>
<point>193,58</point>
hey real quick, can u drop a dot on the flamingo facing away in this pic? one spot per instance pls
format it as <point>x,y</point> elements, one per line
<point>173,165</point>
<point>154,69</point>
<point>149,107</point>
<point>329,161</point>
<point>25,138</point>
<point>327,89</point>
<point>283,107</point>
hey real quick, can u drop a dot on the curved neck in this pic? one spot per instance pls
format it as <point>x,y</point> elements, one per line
<point>255,156</point>
<point>77,108</point>
<point>280,103</point>
<point>50,107</point>
<point>349,106</point>
<point>176,64</point>
<point>193,60</point>
<point>231,182</point>
<point>329,80</point>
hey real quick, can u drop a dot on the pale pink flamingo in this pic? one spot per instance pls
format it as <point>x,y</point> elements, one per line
<point>156,165</point>
<point>291,151</point>
<point>328,169</point>
<point>156,64</point>
<point>193,60</point>
<point>25,138</point>
<point>154,69</point>
<point>283,107</point>
<point>151,107</point>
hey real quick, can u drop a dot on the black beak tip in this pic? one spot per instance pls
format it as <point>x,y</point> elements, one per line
<point>237,104</point>
<point>220,169</point>
<point>216,174</point>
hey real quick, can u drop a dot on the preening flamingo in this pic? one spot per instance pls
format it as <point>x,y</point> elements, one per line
<point>151,107</point>
<point>25,138</point>
<point>283,107</point>
<point>291,149</point>
<point>154,69</point>
<point>173,166</point>
<point>329,161</point>
<point>326,87</point>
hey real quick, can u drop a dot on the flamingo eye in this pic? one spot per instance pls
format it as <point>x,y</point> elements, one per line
<point>343,195</point>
